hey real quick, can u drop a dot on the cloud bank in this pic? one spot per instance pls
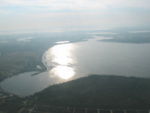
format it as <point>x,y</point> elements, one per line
<point>68,14</point>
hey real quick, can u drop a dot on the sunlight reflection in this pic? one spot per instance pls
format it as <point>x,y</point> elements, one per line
<point>63,72</point>
<point>59,61</point>
<point>61,54</point>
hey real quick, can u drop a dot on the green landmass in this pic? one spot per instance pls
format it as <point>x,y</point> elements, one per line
<point>98,92</point>
<point>107,93</point>
<point>18,62</point>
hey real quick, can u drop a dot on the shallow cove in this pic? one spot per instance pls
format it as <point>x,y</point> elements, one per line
<point>82,59</point>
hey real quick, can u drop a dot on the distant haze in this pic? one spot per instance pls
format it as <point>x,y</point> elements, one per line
<point>58,15</point>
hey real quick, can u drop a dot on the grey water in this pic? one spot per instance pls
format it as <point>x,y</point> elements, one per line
<point>67,61</point>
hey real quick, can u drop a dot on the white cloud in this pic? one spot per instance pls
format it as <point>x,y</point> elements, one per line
<point>74,21</point>
<point>75,14</point>
<point>77,4</point>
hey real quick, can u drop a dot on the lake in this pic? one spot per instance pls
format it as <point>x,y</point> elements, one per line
<point>67,61</point>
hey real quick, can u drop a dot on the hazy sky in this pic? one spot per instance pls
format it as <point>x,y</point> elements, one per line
<point>28,15</point>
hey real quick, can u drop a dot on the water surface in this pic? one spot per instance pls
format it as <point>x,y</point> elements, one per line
<point>68,61</point>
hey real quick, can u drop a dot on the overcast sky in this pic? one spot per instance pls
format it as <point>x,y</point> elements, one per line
<point>38,15</point>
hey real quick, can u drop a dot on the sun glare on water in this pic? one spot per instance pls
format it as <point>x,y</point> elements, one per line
<point>61,54</point>
<point>61,59</point>
<point>63,72</point>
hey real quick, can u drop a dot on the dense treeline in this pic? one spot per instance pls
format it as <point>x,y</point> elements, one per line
<point>98,92</point>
